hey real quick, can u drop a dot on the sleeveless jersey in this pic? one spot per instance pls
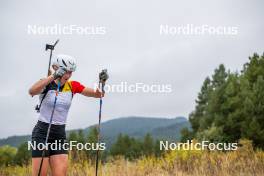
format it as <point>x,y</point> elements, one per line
<point>63,103</point>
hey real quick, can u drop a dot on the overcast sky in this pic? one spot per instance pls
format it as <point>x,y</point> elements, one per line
<point>129,44</point>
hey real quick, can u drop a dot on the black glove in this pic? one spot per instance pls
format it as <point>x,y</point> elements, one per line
<point>103,76</point>
<point>59,73</point>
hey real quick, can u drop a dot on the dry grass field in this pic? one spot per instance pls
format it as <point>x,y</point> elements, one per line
<point>243,162</point>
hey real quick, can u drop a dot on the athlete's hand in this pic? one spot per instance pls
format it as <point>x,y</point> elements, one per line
<point>98,93</point>
<point>59,73</point>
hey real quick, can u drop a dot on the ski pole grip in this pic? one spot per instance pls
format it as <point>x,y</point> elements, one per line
<point>103,76</point>
<point>51,47</point>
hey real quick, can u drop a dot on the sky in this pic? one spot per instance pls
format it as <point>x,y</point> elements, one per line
<point>126,38</point>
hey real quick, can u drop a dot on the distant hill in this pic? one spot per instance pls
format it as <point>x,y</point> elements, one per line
<point>138,127</point>
<point>14,141</point>
<point>159,128</point>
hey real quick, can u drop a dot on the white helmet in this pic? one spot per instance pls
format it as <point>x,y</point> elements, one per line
<point>65,61</point>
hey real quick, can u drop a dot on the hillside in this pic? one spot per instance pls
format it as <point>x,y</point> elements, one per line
<point>159,128</point>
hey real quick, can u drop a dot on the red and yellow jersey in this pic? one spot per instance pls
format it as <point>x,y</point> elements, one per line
<point>65,95</point>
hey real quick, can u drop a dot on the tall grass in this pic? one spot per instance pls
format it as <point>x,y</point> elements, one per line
<point>244,161</point>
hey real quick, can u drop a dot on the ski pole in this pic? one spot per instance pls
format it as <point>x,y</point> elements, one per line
<point>103,76</point>
<point>50,122</point>
<point>51,48</point>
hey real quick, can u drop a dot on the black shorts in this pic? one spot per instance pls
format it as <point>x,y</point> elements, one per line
<point>57,137</point>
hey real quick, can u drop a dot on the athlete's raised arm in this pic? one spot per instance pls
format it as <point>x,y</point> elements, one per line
<point>36,88</point>
<point>40,85</point>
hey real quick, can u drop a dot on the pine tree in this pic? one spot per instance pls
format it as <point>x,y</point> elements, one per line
<point>230,106</point>
<point>148,145</point>
<point>201,105</point>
